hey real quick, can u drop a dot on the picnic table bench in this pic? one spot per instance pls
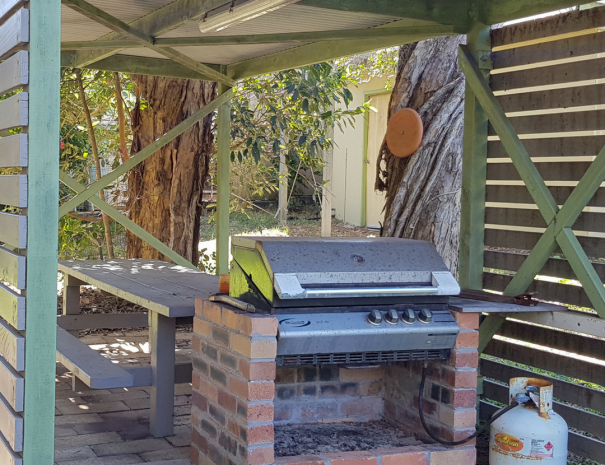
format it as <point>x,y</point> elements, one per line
<point>167,291</point>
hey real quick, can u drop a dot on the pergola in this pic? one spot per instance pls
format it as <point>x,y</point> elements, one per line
<point>163,38</point>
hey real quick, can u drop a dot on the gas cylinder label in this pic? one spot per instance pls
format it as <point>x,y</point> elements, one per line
<point>542,448</point>
<point>509,443</point>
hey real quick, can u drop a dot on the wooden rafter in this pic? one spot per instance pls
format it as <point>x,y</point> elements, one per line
<point>559,221</point>
<point>324,51</point>
<point>440,11</point>
<point>117,25</point>
<point>295,37</point>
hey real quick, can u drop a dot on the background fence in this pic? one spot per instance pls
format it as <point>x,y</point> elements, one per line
<point>549,77</point>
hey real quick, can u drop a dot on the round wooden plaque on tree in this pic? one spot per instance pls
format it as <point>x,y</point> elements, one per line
<point>404,133</point>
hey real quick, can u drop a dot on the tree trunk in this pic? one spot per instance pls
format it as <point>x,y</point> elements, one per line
<point>423,191</point>
<point>165,192</point>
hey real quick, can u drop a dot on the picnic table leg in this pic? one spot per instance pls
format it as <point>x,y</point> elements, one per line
<point>162,341</point>
<point>71,298</point>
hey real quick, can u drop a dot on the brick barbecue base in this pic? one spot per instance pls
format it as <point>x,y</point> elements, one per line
<point>239,394</point>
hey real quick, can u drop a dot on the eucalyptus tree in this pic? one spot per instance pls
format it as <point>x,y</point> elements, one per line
<point>423,191</point>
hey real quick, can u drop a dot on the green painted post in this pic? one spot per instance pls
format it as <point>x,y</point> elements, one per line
<point>223,168</point>
<point>43,219</point>
<point>474,174</point>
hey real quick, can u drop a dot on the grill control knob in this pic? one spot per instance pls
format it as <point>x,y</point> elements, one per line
<point>375,318</point>
<point>392,317</point>
<point>425,316</point>
<point>408,316</point>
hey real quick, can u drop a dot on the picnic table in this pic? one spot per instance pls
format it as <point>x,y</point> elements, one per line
<point>168,291</point>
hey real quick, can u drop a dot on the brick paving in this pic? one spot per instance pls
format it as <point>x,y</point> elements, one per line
<point>111,426</point>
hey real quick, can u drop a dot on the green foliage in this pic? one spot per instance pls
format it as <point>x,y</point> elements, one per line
<point>290,113</point>
<point>79,238</point>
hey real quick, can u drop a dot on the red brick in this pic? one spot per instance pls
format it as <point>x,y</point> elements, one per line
<point>199,303</point>
<point>352,374</point>
<point>260,390</point>
<point>198,440</point>
<point>464,456</point>
<point>209,389</point>
<point>195,381</point>
<point>257,371</point>
<point>467,320</point>
<point>230,318</point>
<point>258,325</point>
<point>411,455</point>
<point>457,418</point>
<point>261,434</point>
<point>464,358</point>
<point>261,456</point>
<point>199,400</point>
<point>460,378</point>
<point>363,406</point>
<point>257,390</point>
<point>201,327</point>
<point>467,339</point>
<point>195,343</point>
<point>238,386</point>
<point>351,458</point>
<point>226,400</point>
<point>233,427</point>
<point>212,312</point>
<point>194,455</point>
<point>464,398</point>
<point>300,460</point>
<point>260,412</point>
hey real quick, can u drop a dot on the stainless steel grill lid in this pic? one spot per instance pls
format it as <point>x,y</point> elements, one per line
<point>312,272</point>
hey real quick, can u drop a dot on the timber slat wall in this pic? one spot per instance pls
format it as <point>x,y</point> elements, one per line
<point>14,115</point>
<point>544,78</point>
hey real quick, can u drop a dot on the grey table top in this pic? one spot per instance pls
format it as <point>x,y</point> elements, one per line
<point>162,287</point>
<point>480,306</point>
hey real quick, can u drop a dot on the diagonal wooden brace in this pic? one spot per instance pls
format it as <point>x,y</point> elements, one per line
<point>510,140</point>
<point>127,223</point>
<point>579,198</point>
<point>103,182</point>
<point>559,221</point>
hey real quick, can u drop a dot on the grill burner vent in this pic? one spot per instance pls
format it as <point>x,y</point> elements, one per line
<point>362,358</point>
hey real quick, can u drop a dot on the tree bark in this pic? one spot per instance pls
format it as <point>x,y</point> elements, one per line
<point>423,191</point>
<point>165,192</point>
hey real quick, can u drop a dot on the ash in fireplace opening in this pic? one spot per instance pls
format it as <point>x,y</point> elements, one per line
<point>309,439</point>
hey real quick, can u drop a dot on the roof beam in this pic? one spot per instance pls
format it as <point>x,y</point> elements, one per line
<point>500,11</point>
<point>138,65</point>
<point>441,11</point>
<point>296,37</point>
<point>117,25</point>
<point>156,23</point>
<point>325,51</point>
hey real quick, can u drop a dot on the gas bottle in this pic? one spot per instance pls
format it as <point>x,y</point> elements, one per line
<point>530,432</point>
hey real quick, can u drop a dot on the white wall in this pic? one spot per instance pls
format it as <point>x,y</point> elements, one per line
<point>347,182</point>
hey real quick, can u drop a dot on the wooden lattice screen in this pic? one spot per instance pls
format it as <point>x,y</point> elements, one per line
<point>549,77</point>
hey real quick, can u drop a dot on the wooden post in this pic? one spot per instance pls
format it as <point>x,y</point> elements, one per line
<point>282,203</point>
<point>43,218</point>
<point>474,174</point>
<point>223,154</point>
<point>326,197</point>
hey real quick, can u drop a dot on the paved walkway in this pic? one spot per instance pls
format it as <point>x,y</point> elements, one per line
<point>111,427</point>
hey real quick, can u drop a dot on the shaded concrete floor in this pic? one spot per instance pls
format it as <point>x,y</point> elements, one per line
<point>111,427</point>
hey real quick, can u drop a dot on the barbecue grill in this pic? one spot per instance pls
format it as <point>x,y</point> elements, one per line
<point>352,301</point>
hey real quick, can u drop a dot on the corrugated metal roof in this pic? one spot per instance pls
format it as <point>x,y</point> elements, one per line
<point>78,27</point>
<point>292,18</point>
